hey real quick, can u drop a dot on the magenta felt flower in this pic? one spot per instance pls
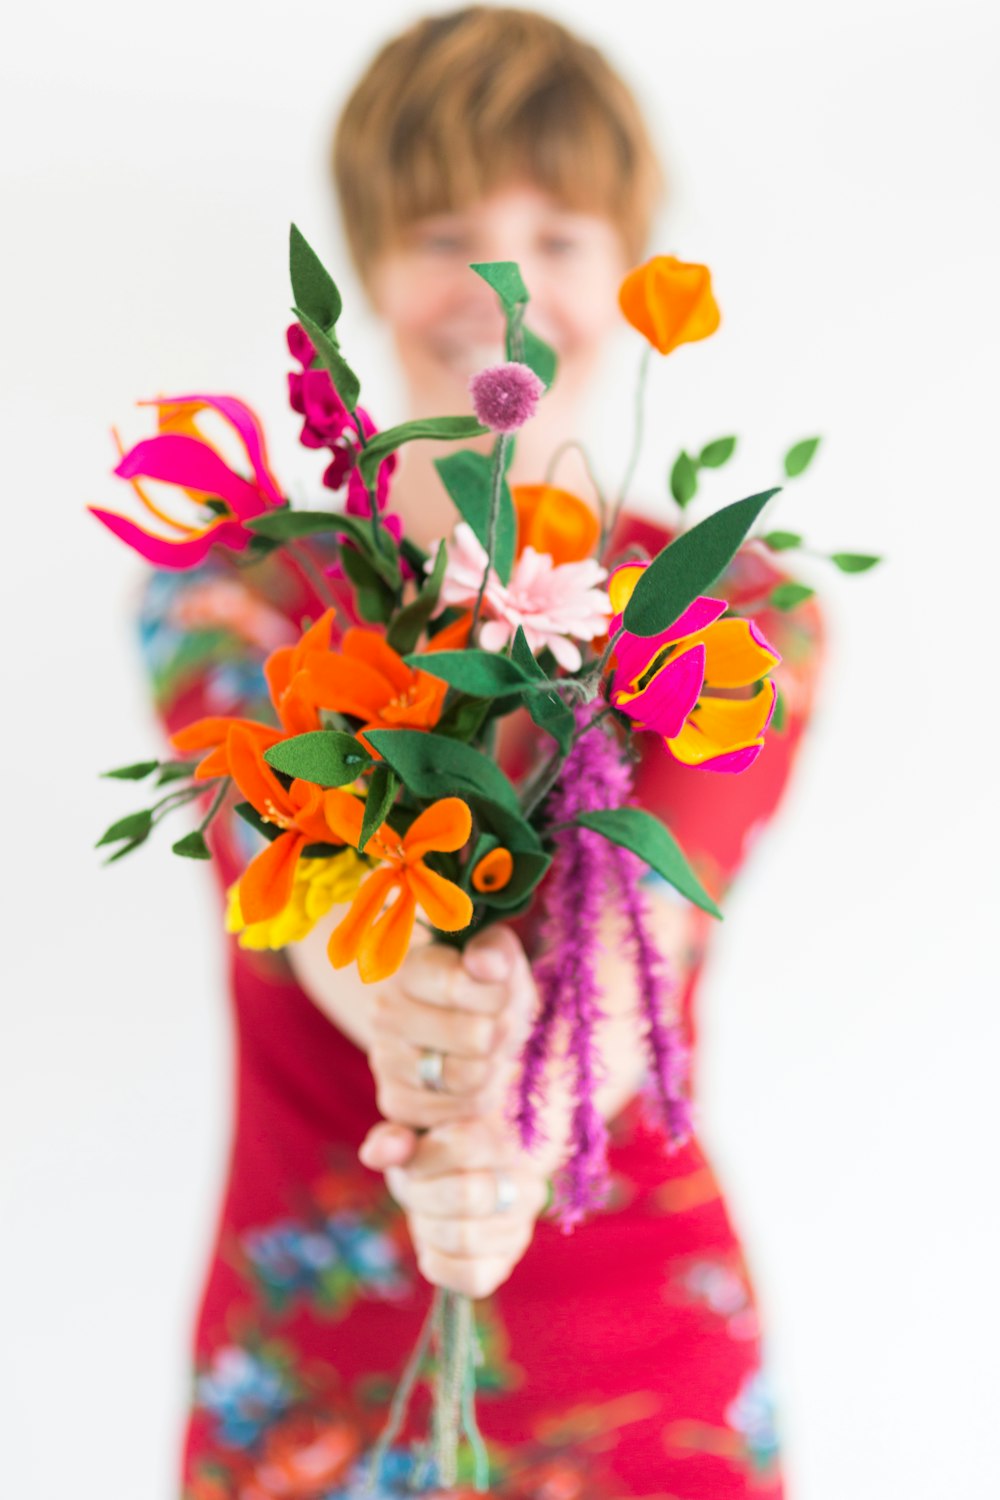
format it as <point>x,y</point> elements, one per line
<point>678,683</point>
<point>182,456</point>
<point>552,603</point>
<point>504,397</point>
<point>328,424</point>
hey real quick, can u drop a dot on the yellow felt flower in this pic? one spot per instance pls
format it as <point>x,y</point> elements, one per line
<point>318,885</point>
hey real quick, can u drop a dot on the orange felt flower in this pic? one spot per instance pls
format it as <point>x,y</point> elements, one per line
<point>554,521</point>
<point>670,301</point>
<point>452,637</point>
<point>379,938</point>
<point>367,680</point>
<point>300,812</point>
<point>494,870</point>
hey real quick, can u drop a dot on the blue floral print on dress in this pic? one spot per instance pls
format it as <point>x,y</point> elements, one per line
<point>245,1393</point>
<point>751,1413</point>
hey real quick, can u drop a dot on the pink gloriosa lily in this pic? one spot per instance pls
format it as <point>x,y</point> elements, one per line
<point>676,683</point>
<point>181,455</point>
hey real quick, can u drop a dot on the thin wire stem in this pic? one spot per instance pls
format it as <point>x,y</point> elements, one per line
<point>401,1401</point>
<point>633,458</point>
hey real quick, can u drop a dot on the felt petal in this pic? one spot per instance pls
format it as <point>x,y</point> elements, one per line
<point>345,686</point>
<point>419,707</point>
<point>736,654</point>
<point>266,883</point>
<point>670,695</point>
<point>718,726</point>
<point>734,761</point>
<point>446,904</point>
<point>622,582</point>
<point>367,647</point>
<point>451,637</point>
<point>344,815</point>
<point>164,552</point>
<point>177,459</point>
<point>385,945</point>
<point>347,936</point>
<point>282,664</point>
<point>445,825</point>
<point>254,777</point>
<point>240,417</point>
<point>554,521</point>
<point>203,734</point>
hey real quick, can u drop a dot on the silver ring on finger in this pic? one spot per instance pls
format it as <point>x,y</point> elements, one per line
<point>430,1070</point>
<point>506,1192</point>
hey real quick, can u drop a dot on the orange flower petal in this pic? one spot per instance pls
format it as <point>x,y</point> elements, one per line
<point>344,685</point>
<point>254,776</point>
<point>202,734</point>
<point>347,936</point>
<point>266,883</point>
<point>452,637</point>
<point>670,302</point>
<point>376,653</point>
<point>344,815</point>
<point>718,726</point>
<point>446,904</point>
<point>736,654</point>
<point>385,945</point>
<point>554,521</point>
<point>493,871</point>
<point>445,825</point>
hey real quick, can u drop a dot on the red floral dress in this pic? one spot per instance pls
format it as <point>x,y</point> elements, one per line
<point>622,1360</point>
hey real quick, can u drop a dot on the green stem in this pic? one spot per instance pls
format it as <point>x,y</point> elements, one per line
<point>566,447</point>
<point>319,583</point>
<point>401,1401</point>
<point>496,490</point>
<point>216,806</point>
<point>633,458</point>
<point>185,794</point>
<point>470,1426</point>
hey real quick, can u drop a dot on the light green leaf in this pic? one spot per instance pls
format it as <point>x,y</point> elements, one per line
<point>382,788</point>
<point>442,429</point>
<point>313,288</point>
<point>504,276</point>
<point>646,836</point>
<point>683,479</point>
<point>781,541</point>
<point>468,478</point>
<point>800,456</point>
<point>432,766</point>
<point>717,453</point>
<point>540,357</point>
<point>854,562</point>
<point>346,383</point>
<point>689,566</point>
<point>787,595</point>
<point>326,757</point>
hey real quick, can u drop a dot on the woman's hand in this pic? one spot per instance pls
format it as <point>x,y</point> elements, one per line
<point>470,1197</point>
<point>471,1009</point>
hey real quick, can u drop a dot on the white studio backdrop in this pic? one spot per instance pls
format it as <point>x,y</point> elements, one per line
<point>836,167</point>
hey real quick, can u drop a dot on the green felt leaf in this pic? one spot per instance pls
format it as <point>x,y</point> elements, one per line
<point>504,276</point>
<point>134,826</point>
<point>787,595</point>
<point>540,357</point>
<point>483,674</point>
<point>373,597</point>
<point>433,766</point>
<point>313,288</point>
<point>646,836</point>
<point>346,383</point>
<point>408,626</point>
<point>443,429</point>
<point>854,562</point>
<point>800,456</point>
<point>468,478</point>
<point>287,524</point>
<point>137,771</point>
<point>192,846</point>
<point>779,717</point>
<point>690,565</point>
<point>249,814</point>
<point>549,711</point>
<point>717,453</point>
<point>684,479</point>
<point>326,757</point>
<point>175,770</point>
<point>463,718</point>
<point>382,788</point>
<point>506,827</point>
<point>781,541</point>
<point>125,849</point>
<point>414,555</point>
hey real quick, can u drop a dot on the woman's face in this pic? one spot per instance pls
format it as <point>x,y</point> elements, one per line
<point>446,321</point>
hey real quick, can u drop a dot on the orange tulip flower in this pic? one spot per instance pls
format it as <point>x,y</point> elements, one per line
<point>379,939</point>
<point>554,521</point>
<point>300,812</point>
<point>670,301</point>
<point>367,680</point>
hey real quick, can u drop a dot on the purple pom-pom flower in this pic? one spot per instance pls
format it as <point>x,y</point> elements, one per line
<point>504,397</point>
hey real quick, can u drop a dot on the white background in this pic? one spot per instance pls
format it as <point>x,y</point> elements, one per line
<point>834,165</point>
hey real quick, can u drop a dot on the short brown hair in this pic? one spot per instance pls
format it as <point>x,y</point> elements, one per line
<point>462,103</point>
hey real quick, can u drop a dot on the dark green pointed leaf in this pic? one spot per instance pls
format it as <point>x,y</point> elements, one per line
<point>442,429</point>
<point>781,541</point>
<point>432,766</point>
<point>482,674</point>
<point>372,595</point>
<point>345,382</point>
<point>138,771</point>
<point>175,770</point>
<point>684,479</point>
<point>463,718</point>
<point>408,626</point>
<point>509,828</point>
<point>125,849</point>
<point>192,846</point>
<point>504,276</point>
<point>787,595</point>
<point>540,357</point>
<point>550,711</point>
<point>690,565</point>
<point>468,478</point>
<point>646,836</point>
<point>135,827</point>
<point>287,524</point>
<point>717,453</point>
<point>313,288</point>
<point>800,456</point>
<point>249,814</point>
<point>382,788</point>
<point>854,562</point>
<point>779,718</point>
<point>326,757</point>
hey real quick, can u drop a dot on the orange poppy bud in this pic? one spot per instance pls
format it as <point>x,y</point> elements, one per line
<point>493,871</point>
<point>554,521</point>
<point>670,301</point>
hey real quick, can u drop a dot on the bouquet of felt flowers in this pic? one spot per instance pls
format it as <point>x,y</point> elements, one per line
<point>374,785</point>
